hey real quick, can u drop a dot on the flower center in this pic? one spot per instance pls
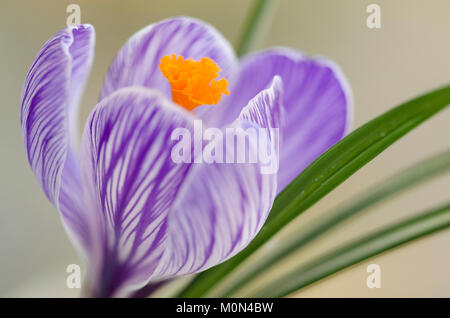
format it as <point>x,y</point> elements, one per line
<point>193,82</point>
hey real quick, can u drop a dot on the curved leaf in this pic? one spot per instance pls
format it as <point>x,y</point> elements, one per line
<point>359,250</point>
<point>327,172</point>
<point>406,179</point>
<point>256,25</point>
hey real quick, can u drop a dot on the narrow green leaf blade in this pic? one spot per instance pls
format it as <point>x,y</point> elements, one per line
<point>412,176</point>
<point>327,172</point>
<point>359,250</point>
<point>257,25</point>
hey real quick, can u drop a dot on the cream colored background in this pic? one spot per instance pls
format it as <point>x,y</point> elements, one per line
<point>409,55</point>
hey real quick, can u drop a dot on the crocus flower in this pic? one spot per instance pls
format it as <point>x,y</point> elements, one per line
<point>134,215</point>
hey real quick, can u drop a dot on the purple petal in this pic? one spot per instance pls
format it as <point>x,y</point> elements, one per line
<point>50,99</point>
<point>222,206</point>
<point>317,101</point>
<point>132,182</point>
<point>137,62</point>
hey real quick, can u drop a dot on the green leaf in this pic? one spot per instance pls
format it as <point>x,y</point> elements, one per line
<point>359,250</point>
<point>327,172</point>
<point>256,25</point>
<point>406,179</point>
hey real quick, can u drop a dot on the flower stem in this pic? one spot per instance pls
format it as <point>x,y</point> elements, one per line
<point>257,25</point>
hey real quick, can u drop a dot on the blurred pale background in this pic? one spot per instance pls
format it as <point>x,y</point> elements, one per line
<point>409,55</point>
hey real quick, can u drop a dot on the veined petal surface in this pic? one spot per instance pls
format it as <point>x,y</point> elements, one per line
<point>132,182</point>
<point>137,62</point>
<point>222,206</point>
<point>317,101</point>
<point>48,115</point>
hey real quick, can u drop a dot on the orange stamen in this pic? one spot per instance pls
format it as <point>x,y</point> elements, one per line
<point>193,82</point>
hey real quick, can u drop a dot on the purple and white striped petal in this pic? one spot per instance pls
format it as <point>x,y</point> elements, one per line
<point>222,206</point>
<point>317,100</point>
<point>49,108</point>
<point>132,182</point>
<point>136,64</point>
